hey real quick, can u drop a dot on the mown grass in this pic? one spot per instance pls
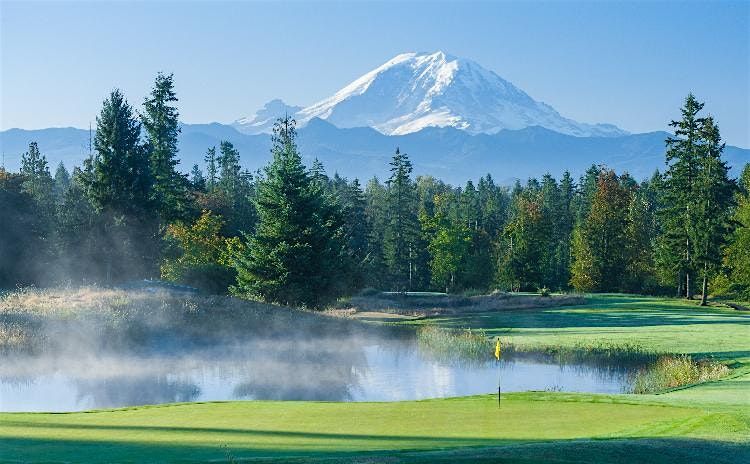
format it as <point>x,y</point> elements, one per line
<point>534,426</point>
<point>619,323</point>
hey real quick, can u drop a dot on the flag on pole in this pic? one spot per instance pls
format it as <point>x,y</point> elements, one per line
<point>497,350</point>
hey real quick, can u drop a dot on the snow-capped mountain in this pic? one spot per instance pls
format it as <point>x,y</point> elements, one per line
<point>262,121</point>
<point>417,90</point>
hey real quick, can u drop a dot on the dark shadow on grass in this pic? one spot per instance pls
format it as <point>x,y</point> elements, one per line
<point>233,431</point>
<point>626,451</point>
<point>632,312</point>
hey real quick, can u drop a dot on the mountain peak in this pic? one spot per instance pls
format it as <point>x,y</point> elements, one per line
<point>415,90</point>
<point>263,119</point>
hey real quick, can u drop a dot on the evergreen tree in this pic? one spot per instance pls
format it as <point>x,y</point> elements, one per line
<point>23,240</point>
<point>119,184</point>
<point>79,241</point>
<point>523,243</point>
<point>565,228</point>
<point>234,189</point>
<point>639,236</point>
<point>37,181</point>
<point>61,182</point>
<point>160,121</point>
<point>197,181</point>
<point>350,199</point>
<point>714,193</point>
<point>402,227</point>
<point>212,173</point>
<point>586,189</point>
<point>296,254</point>
<point>552,217</point>
<point>598,248</point>
<point>679,201</point>
<point>39,186</point>
<point>376,210</point>
<point>736,278</point>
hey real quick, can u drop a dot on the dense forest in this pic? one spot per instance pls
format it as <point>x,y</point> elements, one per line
<point>295,235</point>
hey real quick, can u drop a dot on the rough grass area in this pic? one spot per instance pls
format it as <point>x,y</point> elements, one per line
<point>33,319</point>
<point>452,344</point>
<point>530,426</point>
<point>677,371</point>
<point>422,304</point>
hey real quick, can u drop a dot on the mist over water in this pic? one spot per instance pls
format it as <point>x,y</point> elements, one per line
<point>356,367</point>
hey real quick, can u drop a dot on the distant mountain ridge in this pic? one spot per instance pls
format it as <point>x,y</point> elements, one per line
<point>414,91</point>
<point>447,153</point>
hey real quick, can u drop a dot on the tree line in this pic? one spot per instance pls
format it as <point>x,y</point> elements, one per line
<point>292,234</point>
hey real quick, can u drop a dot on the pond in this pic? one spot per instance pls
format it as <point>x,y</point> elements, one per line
<point>327,370</point>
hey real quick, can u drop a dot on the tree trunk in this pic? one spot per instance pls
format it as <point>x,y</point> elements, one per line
<point>688,290</point>
<point>704,296</point>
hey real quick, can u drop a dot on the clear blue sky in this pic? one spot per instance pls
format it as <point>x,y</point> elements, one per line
<point>627,63</point>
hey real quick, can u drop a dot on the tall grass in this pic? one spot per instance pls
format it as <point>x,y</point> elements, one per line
<point>620,355</point>
<point>34,319</point>
<point>676,371</point>
<point>454,344</point>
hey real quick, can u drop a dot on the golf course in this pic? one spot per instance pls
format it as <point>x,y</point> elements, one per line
<point>703,422</point>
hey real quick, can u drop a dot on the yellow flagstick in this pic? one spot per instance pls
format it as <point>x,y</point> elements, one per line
<point>497,360</point>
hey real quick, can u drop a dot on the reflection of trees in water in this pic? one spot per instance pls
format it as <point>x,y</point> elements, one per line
<point>329,373</point>
<point>609,367</point>
<point>118,391</point>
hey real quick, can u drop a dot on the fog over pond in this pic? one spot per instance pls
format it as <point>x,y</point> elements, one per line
<point>351,368</point>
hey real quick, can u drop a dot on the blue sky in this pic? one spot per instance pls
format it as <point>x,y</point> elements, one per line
<point>627,63</point>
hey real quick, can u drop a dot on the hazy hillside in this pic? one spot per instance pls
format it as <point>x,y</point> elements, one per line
<point>450,154</point>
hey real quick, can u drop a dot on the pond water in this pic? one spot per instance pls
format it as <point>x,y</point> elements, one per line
<point>281,370</point>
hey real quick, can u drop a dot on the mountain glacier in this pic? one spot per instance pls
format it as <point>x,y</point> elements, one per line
<point>414,91</point>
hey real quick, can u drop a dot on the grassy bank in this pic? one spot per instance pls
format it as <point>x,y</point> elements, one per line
<point>103,318</point>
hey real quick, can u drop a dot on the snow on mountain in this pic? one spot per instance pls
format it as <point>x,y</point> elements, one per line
<point>417,90</point>
<point>262,121</point>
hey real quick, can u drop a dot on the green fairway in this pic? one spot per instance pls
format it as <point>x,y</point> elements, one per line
<point>658,324</point>
<point>705,423</point>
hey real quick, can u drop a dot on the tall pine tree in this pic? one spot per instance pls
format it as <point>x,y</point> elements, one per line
<point>160,120</point>
<point>119,184</point>
<point>714,194</point>
<point>297,253</point>
<point>402,227</point>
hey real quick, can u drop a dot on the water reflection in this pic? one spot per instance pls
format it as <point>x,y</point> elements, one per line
<point>329,370</point>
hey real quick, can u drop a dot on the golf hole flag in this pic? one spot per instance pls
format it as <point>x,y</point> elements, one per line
<point>497,350</point>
